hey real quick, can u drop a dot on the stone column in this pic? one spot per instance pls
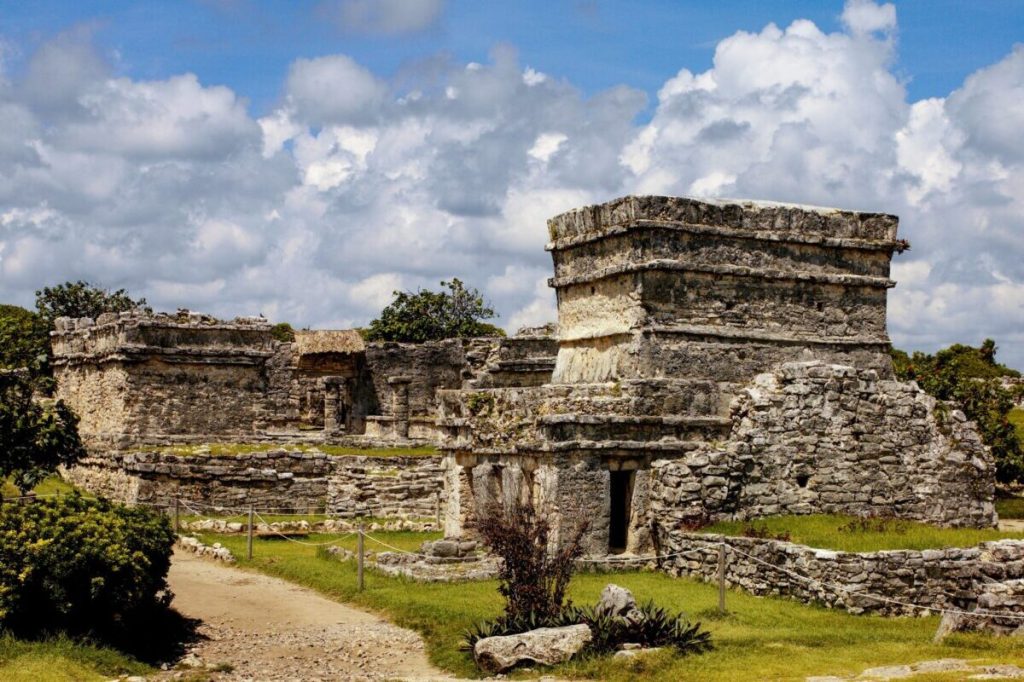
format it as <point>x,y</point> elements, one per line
<point>333,403</point>
<point>400,404</point>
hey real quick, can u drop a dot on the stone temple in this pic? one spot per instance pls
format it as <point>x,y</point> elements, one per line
<point>716,359</point>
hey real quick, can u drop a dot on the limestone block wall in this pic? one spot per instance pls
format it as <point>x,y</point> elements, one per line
<point>287,480</point>
<point>430,366</point>
<point>672,287</point>
<point>808,438</point>
<point>940,579</point>
<point>279,479</point>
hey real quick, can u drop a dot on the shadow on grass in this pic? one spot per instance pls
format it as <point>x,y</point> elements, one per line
<point>158,635</point>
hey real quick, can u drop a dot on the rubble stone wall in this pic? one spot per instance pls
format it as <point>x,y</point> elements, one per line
<point>940,579</point>
<point>385,486</point>
<point>291,481</point>
<point>815,438</point>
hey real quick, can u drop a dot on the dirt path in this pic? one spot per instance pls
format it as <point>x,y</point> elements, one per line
<point>269,629</point>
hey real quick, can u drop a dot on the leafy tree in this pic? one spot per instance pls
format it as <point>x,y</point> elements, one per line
<point>82,299</point>
<point>35,438</point>
<point>430,315</point>
<point>970,377</point>
<point>24,339</point>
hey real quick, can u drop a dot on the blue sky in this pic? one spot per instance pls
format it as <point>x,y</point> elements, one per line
<point>594,44</point>
<point>305,159</point>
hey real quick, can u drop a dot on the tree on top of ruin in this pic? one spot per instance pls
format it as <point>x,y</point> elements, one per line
<point>82,299</point>
<point>427,315</point>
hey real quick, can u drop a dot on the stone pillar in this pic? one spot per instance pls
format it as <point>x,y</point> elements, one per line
<point>335,399</point>
<point>461,506</point>
<point>400,405</point>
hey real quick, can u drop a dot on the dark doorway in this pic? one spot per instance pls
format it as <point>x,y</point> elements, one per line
<point>622,499</point>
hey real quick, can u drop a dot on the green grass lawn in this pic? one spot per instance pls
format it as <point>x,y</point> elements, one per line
<point>1010,508</point>
<point>63,660</point>
<point>759,639</point>
<point>232,449</point>
<point>50,486</point>
<point>1017,419</point>
<point>845,533</point>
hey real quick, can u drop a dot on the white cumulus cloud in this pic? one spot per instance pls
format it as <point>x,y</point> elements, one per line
<point>354,186</point>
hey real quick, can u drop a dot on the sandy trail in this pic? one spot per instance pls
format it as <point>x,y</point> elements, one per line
<point>269,629</point>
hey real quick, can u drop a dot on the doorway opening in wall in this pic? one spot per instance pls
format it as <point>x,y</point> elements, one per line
<point>621,506</point>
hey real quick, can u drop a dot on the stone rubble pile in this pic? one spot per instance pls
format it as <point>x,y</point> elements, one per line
<point>215,551</point>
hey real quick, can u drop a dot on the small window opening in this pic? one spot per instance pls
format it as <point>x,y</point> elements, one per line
<point>621,507</point>
<point>802,479</point>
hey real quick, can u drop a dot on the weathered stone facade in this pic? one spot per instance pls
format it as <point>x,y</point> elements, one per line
<point>286,480</point>
<point>716,359</point>
<point>135,378</point>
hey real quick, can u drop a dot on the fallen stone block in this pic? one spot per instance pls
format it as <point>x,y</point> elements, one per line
<point>545,646</point>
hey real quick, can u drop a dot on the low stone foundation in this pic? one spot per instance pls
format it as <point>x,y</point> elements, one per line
<point>281,480</point>
<point>385,486</point>
<point>933,579</point>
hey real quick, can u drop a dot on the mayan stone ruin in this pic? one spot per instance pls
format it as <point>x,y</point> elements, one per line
<point>716,359</point>
<point>145,385</point>
<point>713,360</point>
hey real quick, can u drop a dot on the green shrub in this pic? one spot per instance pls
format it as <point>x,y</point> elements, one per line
<point>81,566</point>
<point>653,626</point>
<point>282,331</point>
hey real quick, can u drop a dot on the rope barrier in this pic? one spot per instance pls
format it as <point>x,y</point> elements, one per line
<point>335,541</point>
<point>195,505</point>
<point>393,548</point>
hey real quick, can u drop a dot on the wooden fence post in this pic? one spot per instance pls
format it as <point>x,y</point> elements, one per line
<point>437,511</point>
<point>177,514</point>
<point>248,544</point>
<point>359,560</point>
<point>721,578</point>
